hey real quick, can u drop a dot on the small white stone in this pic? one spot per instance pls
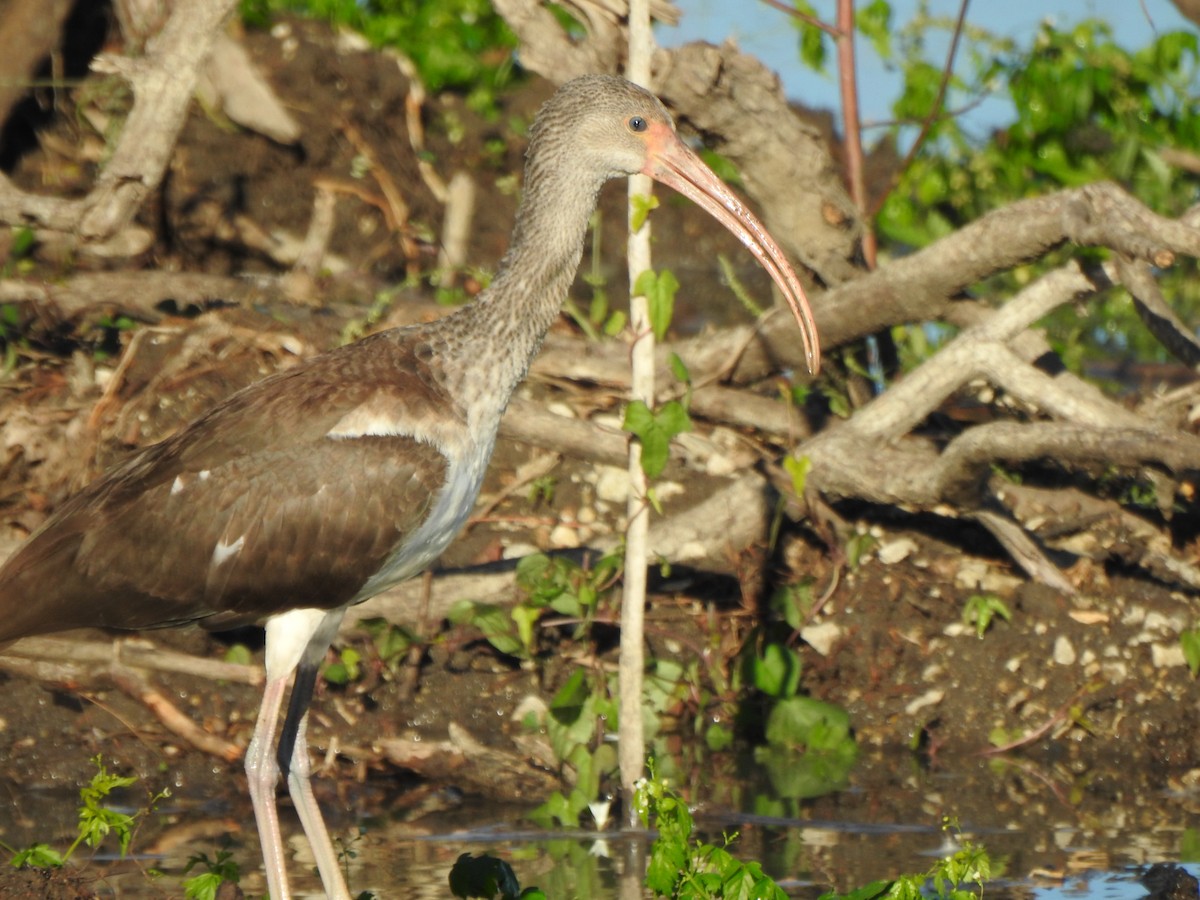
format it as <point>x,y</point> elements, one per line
<point>1163,655</point>
<point>564,537</point>
<point>612,484</point>
<point>894,551</point>
<point>519,551</point>
<point>1115,672</point>
<point>821,637</point>
<point>929,698</point>
<point>1064,653</point>
<point>1156,621</point>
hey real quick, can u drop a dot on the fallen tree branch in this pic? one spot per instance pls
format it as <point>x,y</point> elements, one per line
<point>163,82</point>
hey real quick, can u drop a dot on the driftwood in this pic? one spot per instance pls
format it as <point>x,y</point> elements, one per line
<point>163,82</point>
<point>144,296</point>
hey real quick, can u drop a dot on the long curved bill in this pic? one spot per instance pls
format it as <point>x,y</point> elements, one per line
<point>670,162</point>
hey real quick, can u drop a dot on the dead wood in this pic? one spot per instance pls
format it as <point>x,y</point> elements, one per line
<point>229,80</point>
<point>494,772</point>
<point>163,81</point>
<point>874,456</point>
<point>142,295</point>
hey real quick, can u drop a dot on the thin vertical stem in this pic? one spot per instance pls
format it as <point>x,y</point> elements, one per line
<point>851,125</point>
<point>631,747</point>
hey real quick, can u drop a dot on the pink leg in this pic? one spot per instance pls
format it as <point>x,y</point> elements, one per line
<point>262,773</point>
<point>300,788</point>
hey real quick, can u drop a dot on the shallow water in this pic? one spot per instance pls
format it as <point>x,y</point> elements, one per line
<point>1063,830</point>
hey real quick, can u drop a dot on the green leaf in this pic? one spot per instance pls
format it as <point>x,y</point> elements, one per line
<point>568,704</point>
<point>659,290</point>
<point>1189,640</point>
<point>812,39</point>
<point>346,669</point>
<point>679,368</point>
<point>798,470</point>
<point>493,621</point>
<point>775,670</point>
<point>642,206</point>
<point>240,654</point>
<point>717,738</point>
<point>654,431</point>
<point>808,723</point>
<point>526,618</point>
<point>875,22</point>
<point>40,856</point>
<point>202,887</point>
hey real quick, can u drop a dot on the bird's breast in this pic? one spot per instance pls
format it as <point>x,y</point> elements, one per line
<point>466,465</point>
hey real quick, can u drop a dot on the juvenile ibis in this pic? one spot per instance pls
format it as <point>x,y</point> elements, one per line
<point>322,485</point>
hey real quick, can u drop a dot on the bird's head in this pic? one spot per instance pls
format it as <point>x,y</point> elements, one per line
<point>609,127</point>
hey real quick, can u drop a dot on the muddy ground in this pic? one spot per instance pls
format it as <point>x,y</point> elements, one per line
<point>1089,687</point>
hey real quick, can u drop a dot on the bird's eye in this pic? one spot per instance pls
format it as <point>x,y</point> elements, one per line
<point>637,123</point>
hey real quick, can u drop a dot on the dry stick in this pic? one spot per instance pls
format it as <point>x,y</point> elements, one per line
<point>179,724</point>
<point>631,746</point>
<point>1062,714</point>
<point>412,661</point>
<point>852,125</point>
<point>397,208</point>
<point>131,653</point>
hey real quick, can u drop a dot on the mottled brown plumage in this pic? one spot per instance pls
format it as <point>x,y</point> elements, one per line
<point>320,486</point>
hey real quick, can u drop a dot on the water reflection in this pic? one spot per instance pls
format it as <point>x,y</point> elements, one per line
<point>1064,831</point>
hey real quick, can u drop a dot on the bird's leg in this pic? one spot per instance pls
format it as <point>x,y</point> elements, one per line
<point>262,774</point>
<point>294,761</point>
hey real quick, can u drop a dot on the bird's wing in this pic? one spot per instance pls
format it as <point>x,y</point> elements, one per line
<point>293,516</point>
<point>302,526</point>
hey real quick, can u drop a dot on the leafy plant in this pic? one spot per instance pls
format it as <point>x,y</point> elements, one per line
<point>655,429</point>
<point>391,641</point>
<point>809,748</point>
<point>981,609</point>
<point>461,45</point>
<point>580,713</point>
<point>345,669</point>
<point>685,868</point>
<point>948,878</point>
<point>218,871</point>
<point>96,821</point>
<point>550,583</point>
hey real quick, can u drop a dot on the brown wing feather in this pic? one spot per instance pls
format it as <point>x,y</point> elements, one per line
<point>317,515</point>
<point>304,542</point>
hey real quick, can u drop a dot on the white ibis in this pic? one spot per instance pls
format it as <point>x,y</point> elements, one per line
<point>321,486</point>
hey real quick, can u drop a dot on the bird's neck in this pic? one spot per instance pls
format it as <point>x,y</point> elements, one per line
<point>502,330</point>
